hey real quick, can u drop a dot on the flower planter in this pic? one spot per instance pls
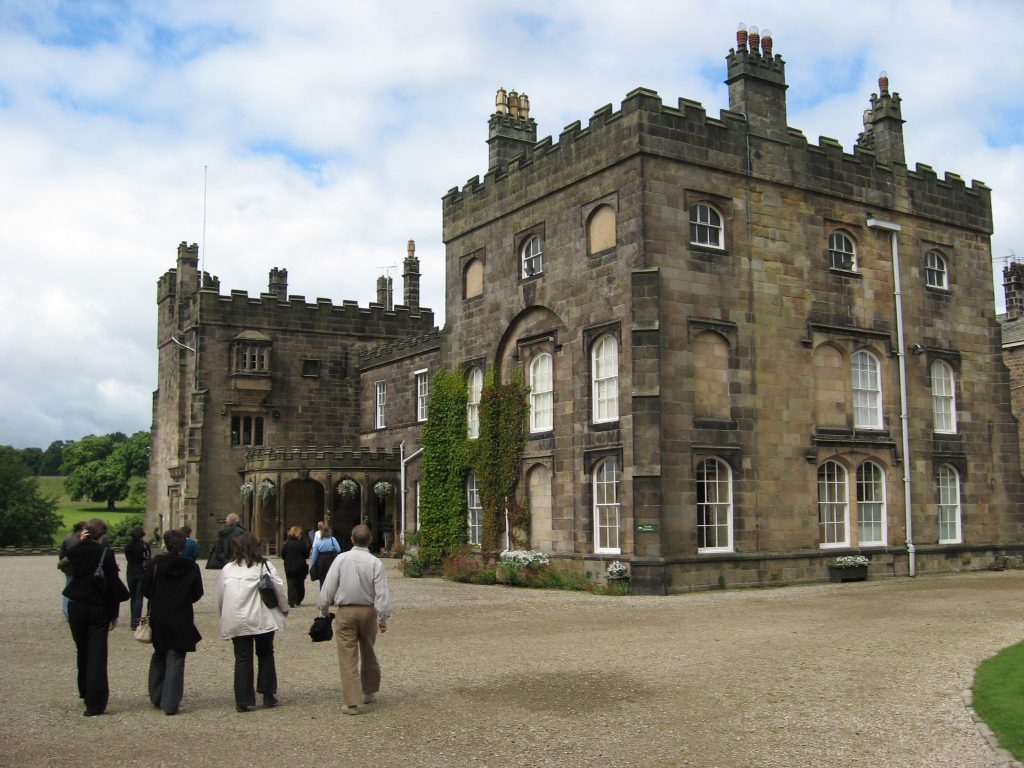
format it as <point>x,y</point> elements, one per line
<point>856,573</point>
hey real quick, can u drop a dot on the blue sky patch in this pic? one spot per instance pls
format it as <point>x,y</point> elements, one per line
<point>311,162</point>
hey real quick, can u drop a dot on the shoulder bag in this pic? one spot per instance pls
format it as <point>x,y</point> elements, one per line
<point>266,587</point>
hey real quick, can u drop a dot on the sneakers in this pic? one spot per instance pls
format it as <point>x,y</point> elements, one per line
<point>350,710</point>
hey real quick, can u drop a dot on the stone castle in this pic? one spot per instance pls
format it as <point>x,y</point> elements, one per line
<point>747,354</point>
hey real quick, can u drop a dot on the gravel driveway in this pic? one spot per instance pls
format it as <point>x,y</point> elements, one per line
<point>854,675</point>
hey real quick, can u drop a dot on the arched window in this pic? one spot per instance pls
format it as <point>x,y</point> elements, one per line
<point>948,486</point>
<point>706,226</point>
<point>542,394</point>
<point>604,374</point>
<point>935,274</point>
<point>871,527</point>
<point>606,506</point>
<point>532,254</point>
<point>943,397</point>
<point>842,253</point>
<point>714,506</point>
<point>866,382</point>
<point>833,505</point>
<point>474,526</point>
<point>601,229</point>
<point>474,387</point>
<point>473,279</point>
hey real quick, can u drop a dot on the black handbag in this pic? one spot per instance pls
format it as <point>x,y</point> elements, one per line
<point>322,631</point>
<point>267,592</point>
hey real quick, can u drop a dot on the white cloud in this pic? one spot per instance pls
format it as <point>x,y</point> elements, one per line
<point>331,130</point>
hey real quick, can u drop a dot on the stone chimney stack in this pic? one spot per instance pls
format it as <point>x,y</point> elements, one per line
<point>1013,289</point>
<point>384,292</point>
<point>511,130</point>
<point>757,83</point>
<point>883,125</point>
<point>278,284</point>
<point>411,278</point>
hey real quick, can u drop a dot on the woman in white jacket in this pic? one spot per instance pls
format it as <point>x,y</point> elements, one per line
<point>248,623</point>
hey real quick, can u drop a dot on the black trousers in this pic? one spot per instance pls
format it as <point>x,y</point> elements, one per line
<point>166,679</point>
<point>90,628</point>
<point>266,676</point>
<point>296,588</point>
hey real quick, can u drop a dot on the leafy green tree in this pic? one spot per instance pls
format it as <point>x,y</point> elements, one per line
<point>52,458</point>
<point>81,452</point>
<point>26,518</point>
<point>31,458</point>
<point>100,468</point>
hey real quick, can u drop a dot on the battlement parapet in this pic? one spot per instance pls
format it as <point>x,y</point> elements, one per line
<point>400,348</point>
<point>645,125</point>
<point>292,459</point>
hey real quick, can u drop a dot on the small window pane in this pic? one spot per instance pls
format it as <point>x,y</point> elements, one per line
<point>842,253</point>
<point>533,256</point>
<point>935,274</point>
<point>833,505</point>
<point>705,226</point>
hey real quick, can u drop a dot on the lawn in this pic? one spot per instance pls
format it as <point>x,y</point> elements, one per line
<point>998,697</point>
<point>73,511</point>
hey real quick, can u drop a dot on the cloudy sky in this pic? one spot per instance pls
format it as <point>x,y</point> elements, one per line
<point>325,134</point>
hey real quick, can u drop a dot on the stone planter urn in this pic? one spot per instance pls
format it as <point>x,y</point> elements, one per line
<point>854,573</point>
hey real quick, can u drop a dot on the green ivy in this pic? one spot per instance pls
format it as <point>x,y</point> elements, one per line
<point>498,457</point>
<point>443,509</point>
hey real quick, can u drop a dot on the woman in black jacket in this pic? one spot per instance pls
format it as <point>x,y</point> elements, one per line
<point>95,592</point>
<point>293,552</point>
<point>136,553</point>
<point>172,583</point>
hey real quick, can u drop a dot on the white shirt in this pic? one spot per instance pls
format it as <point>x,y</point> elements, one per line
<point>356,577</point>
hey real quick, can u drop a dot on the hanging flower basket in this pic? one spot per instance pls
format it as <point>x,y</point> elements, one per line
<point>347,489</point>
<point>266,490</point>
<point>383,489</point>
<point>246,490</point>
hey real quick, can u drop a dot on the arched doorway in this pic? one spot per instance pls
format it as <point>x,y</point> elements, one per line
<point>303,505</point>
<point>348,496</point>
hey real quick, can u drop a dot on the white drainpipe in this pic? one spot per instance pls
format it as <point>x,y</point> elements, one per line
<point>404,460</point>
<point>901,346</point>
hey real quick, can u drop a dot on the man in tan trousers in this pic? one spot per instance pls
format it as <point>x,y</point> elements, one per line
<point>357,588</point>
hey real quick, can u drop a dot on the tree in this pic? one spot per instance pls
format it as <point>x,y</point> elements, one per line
<point>26,518</point>
<point>90,448</point>
<point>52,458</point>
<point>31,458</point>
<point>100,467</point>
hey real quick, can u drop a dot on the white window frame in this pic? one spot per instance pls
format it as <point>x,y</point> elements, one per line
<point>532,256</point>
<point>943,397</point>
<point>714,506</point>
<point>604,374</point>
<point>871,500</point>
<point>706,228</point>
<point>422,393</point>
<point>542,392</point>
<point>842,251</point>
<point>947,482</point>
<point>474,390</point>
<point>866,386</point>
<point>833,505</point>
<point>474,518</point>
<point>936,275</point>
<point>380,389</point>
<point>606,484</point>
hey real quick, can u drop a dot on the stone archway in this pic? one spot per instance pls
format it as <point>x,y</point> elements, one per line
<point>347,513</point>
<point>303,505</point>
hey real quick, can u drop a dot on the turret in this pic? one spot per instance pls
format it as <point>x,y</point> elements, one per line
<point>883,125</point>
<point>757,83</point>
<point>278,283</point>
<point>411,278</point>
<point>188,270</point>
<point>511,130</point>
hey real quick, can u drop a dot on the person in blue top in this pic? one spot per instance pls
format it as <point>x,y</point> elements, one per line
<point>191,550</point>
<point>324,551</point>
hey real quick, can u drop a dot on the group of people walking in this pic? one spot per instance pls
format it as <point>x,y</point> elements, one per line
<point>353,584</point>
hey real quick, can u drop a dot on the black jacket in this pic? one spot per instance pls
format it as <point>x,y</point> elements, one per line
<point>221,552</point>
<point>136,552</point>
<point>83,587</point>
<point>293,553</point>
<point>173,583</point>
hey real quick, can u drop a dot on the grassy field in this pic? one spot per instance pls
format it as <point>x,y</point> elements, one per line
<point>73,511</point>
<point>998,697</point>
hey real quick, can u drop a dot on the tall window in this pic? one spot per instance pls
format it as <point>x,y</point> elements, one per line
<point>606,506</point>
<point>706,226</point>
<point>842,253</point>
<point>533,256</point>
<point>381,398</point>
<point>247,430</point>
<point>948,482</point>
<point>870,504</point>
<point>867,390</point>
<point>474,526</point>
<point>474,388</point>
<point>714,506</point>
<point>833,505</point>
<point>541,393</point>
<point>252,358</point>
<point>422,395</point>
<point>935,275</point>
<point>943,397</point>
<point>604,372</point>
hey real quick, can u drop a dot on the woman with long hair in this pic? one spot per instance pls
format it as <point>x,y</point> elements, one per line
<point>249,623</point>
<point>293,552</point>
<point>172,583</point>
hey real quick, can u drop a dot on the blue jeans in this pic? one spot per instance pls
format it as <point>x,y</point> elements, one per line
<point>135,591</point>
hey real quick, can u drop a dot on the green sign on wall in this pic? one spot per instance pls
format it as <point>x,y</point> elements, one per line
<point>646,528</point>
